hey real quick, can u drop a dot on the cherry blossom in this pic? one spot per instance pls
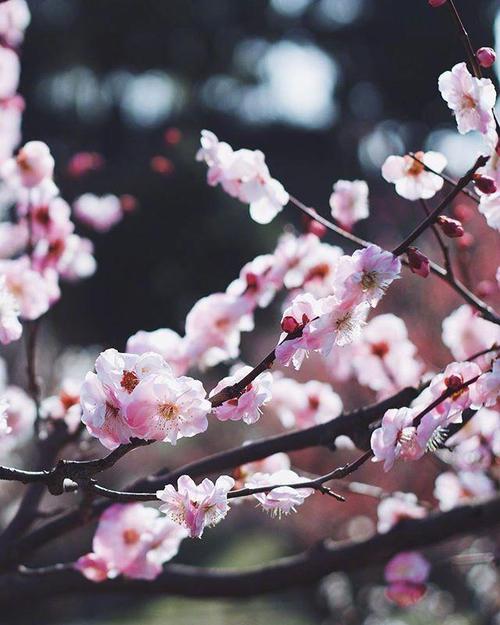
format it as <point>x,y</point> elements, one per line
<point>247,406</point>
<point>410,176</point>
<point>366,275</point>
<point>65,406</point>
<point>133,541</point>
<point>33,164</point>
<point>31,290</point>
<point>304,405</point>
<point>195,507</point>
<point>256,281</point>
<point>99,213</point>
<point>452,489</point>
<point>349,202</point>
<point>14,19</point>
<point>465,333</point>
<point>10,326</point>
<point>213,328</point>
<point>302,310</point>
<point>486,391</point>
<point>315,272</point>
<point>396,438</point>
<point>489,207</point>
<point>243,174</point>
<point>283,499</point>
<point>19,412</point>
<point>471,99</point>
<point>166,342</point>
<point>396,508</point>
<point>453,377</point>
<point>271,464</point>
<point>406,574</point>
<point>163,407</point>
<point>9,72</point>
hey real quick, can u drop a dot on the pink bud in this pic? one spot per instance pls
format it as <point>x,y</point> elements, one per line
<point>451,227</point>
<point>486,288</point>
<point>316,228</point>
<point>436,3</point>
<point>454,382</point>
<point>466,241</point>
<point>289,325</point>
<point>419,263</point>
<point>485,184</point>
<point>252,280</point>
<point>486,57</point>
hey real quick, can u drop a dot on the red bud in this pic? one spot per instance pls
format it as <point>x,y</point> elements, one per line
<point>485,184</point>
<point>419,263</point>
<point>451,227</point>
<point>486,57</point>
<point>289,325</point>
<point>436,3</point>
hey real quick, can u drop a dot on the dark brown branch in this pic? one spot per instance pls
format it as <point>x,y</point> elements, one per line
<point>300,570</point>
<point>440,241</point>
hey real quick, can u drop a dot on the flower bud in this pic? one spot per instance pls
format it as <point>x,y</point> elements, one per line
<point>486,57</point>
<point>436,3</point>
<point>485,184</point>
<point>486,288</point>
<point>454,382</point>
<point>451,227</point>
<point>316,228</point>
<point>289,325</point>
<point>466,241</point>
<point>463,212</point>
<point>419,263</point>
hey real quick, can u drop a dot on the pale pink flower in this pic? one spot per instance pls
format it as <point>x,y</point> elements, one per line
<point>99,213</point>
<point>290,254</point>
<point>489,207</point>
<point>412,180</point>
<point>384,358</point>
<point>65,406</point>
<point>453,377</point>
<point>20,415</point>
<point>9,72</point>
<point>104,395</point>
<point>304,405</point>
<point>163,407</point>
<point>10,326</point>
<point>452,489</point>
<point>4,426</point>
<point>165,342</point>
<point>13,238</point>
<point>271,464</point>
<point>284,498</point>
<point>243,174</point>
<point>50,220</point>
<point>366,275</point>
<point>406,574</point>
<point>76,259</point>
<point>396,438</point>
<point>349,202</point>
<point>31,290</point>
<point>247,406</point>
<point>213,328</point>
<point>133,541</point>
<point>256,281</point>
<point>471,99</point>
<point>32,165</point>
<point>315,272</point>
<point>396,508</point>
<point>486,391</point>
<point>195,507</point>
<point>14,19</point>
<point>465,333</point>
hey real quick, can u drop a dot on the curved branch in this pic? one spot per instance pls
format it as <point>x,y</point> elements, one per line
<point>305,568</point>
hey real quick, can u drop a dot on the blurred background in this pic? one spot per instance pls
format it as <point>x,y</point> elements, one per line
<point>327,89</point>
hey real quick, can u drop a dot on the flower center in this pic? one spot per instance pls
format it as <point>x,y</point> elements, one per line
<point>369,280</point>
<point>168,411</point>
<point>468,102</point>
<point>416,167</point>
<point>320,271</point>
<point>130,536</point>
<point>380,349</point>
<point>129,381</point>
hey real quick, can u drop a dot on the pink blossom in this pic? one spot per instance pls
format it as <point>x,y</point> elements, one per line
<point>104,395</point>
<point>302,310</point>
<point>290,254</point>
<point>465,333</point>
<point>31,290</point>
<point>76,260</point>
<point>396,508</point>
<point>247,406</point>
<point>213,328</point>
<point>406,574</point>
<point>486,391</point>
<point>14,19</point>
<point>283,499</point>
<point>20,415</point>
<point>396,438</point>
<point>65,406</point>
<point>165,342</point>
<point>196,507</point>
<point>243,174</point>
<point>271,464</point>
<point>9,72</point>
<point>486,56</point>
<point>384,358</point>
<point>471,99</point>
<point>453,377</point>
<point>412,180</point>
<point>452,489</point>
<point>133,541</point>
<point>50,220</point>
<point>256,281</point>
<point>304,405</point>
<point>163,407</point>
<point>315,271</point>
<point>366,275</point>
<point>349,202</point>
<point>99,213</point>
<point>13,238</point>
<point>10,326</point>
<point>489,207</point>
<point>32,165</point>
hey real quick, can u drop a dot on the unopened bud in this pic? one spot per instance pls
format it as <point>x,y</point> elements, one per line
<point>451,227</point>
<point>252,280</point>
<point>289,325</point>
<point>485,184</point>
<point>466,241</point>
<point>436,3</point>
<point>419,263</point>
<point>486,57</point>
